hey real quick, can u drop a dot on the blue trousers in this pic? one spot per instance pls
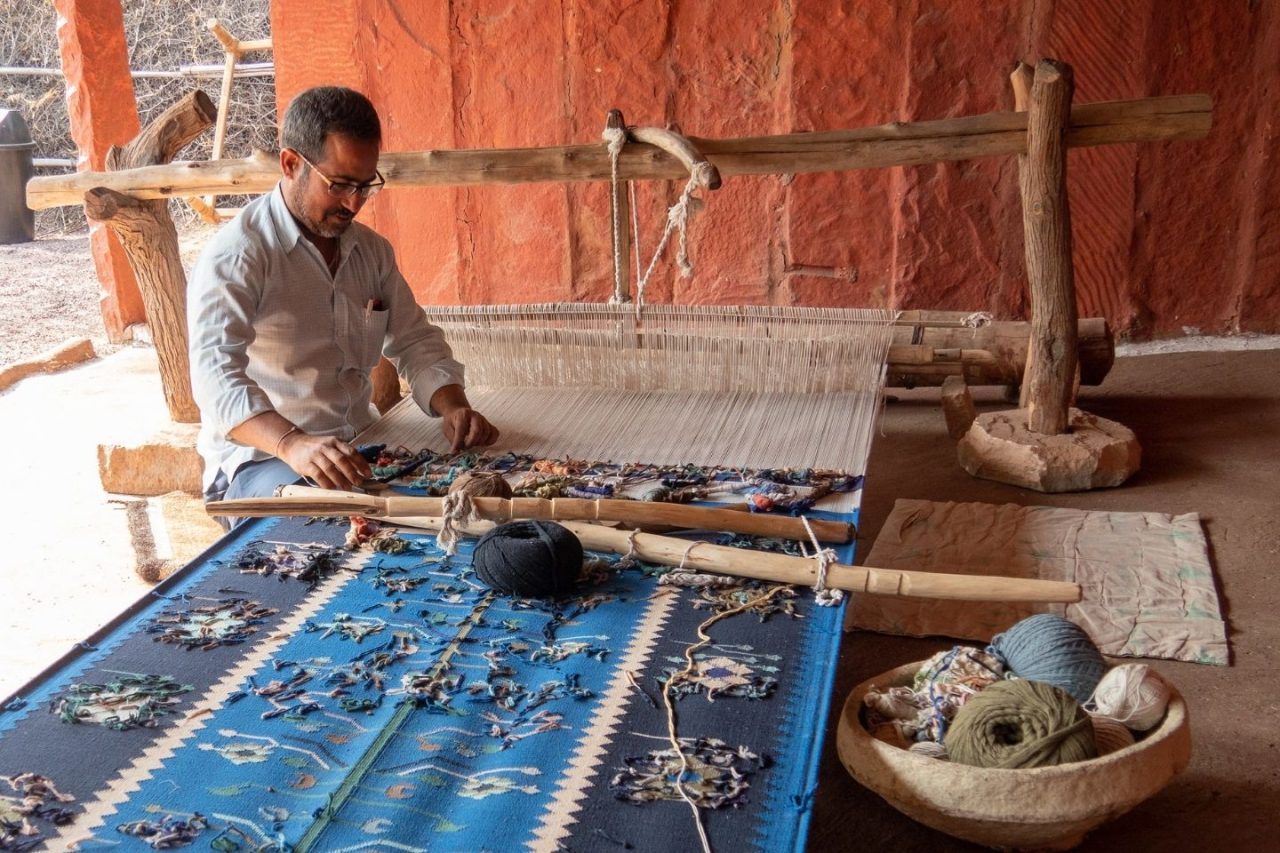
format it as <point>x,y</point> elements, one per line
<point>252,480</point>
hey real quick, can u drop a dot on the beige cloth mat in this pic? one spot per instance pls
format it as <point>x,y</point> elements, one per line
<point>1147,583</point>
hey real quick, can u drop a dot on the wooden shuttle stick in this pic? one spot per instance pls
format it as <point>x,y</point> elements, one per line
<point>783,568</point>
<point>303,501</point>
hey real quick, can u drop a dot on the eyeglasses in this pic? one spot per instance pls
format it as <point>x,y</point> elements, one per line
<point>343,189</point>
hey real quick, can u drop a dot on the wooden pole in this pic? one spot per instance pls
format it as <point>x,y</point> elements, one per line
<point>900,144</point>
<point>619,218</point>
<point>641,513</point>
<point>150,241</point>
<point>698,556</point>
<point>1046,219</point>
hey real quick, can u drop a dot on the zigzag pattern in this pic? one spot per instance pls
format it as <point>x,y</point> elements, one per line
<point>582,765</point>
<point>130,779</point>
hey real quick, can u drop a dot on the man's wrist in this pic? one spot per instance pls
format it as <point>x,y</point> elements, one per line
<point>283,437</point>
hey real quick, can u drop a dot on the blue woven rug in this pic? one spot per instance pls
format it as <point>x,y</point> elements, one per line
<point>387,702</point>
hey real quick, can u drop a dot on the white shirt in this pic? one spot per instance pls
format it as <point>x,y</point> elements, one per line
<point>271,330</point>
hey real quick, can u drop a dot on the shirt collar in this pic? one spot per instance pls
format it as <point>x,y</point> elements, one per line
<point>289,232</point>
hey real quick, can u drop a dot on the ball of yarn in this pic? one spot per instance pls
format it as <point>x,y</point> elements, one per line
<point>481,484</point>
<point>1110,735</point>
<point>929,749</point>
<point>1014,724</point>
<point>1134,694</point>
<point>1057,651</point>
<point>532,559</point>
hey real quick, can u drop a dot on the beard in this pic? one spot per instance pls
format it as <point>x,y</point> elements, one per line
<point>331,224</point>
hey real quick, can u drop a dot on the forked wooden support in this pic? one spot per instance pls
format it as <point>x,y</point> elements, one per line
<point>1046,444</point>
<point>150,241</point>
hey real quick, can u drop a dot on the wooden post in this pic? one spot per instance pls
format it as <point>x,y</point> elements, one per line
<point>150,241</point>
<point>232,49</point>
<point>1046,219</point>
<point>620,220</point>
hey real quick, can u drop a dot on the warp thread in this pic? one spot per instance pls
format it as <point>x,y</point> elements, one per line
<point>531,559</point>
<point>1133,694</point>
<point>1049,648</point>
<point>1017,724</point>
<point>458,507</point>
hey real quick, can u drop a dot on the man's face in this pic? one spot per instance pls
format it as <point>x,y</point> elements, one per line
<point>346,160</point>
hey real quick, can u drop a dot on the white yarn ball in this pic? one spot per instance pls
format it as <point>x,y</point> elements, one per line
<point>929,748</point>
<point>1110,735</point>
<point>1132,693</point>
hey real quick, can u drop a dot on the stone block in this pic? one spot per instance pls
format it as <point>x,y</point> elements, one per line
<point>1094,453</point>
<point>165,462</point>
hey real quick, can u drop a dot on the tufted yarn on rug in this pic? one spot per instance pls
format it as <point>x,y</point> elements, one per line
<point>1016,724</point>
<point>1134,694</point>
<point>532,559</point>
<point>1057,651</point>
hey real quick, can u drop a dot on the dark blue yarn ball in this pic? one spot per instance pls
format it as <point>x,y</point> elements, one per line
<point>531,559</point>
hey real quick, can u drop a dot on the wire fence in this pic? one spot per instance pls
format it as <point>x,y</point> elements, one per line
<point>161,37</point>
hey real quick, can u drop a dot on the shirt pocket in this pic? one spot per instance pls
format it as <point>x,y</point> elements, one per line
<point>374,324</point>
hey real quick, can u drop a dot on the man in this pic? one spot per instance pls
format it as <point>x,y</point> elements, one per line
<point>291,305</point>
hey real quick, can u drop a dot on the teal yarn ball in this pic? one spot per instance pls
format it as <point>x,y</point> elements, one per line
<point>1057,651</point>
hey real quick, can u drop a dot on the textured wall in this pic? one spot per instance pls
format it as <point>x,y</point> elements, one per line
<point>1167,236</point>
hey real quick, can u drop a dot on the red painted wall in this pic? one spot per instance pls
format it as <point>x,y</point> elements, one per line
<point>1167,236</point>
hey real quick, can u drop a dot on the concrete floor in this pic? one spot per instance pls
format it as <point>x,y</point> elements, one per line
<point>1208,423</point>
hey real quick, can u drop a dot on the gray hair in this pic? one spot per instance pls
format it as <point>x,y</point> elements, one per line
<point>315,113</point>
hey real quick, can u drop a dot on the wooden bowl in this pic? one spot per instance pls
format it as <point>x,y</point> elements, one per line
<point>1044,808</point>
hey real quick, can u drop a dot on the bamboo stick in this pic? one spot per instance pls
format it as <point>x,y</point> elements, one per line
<point>779,568</point>
<point>641,513</point>
<point>898,144</point>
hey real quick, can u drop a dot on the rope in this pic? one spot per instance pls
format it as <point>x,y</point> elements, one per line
<point>690,665</point>
<point>677,220</point>
<point>823,596</point>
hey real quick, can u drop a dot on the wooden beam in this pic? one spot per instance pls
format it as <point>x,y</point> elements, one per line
<point>1046,219</point>
<point>900,144</point>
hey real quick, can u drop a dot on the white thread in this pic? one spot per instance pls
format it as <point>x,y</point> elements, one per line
<point>823,596</point>
<point>457,509</point>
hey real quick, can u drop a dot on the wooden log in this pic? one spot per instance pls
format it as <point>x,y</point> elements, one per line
<point>899,144</point>
<point>1046,218</point>
<point>150,241</point>
<point>924,354</point>
<point>779,568</point>
<point>642,513</point>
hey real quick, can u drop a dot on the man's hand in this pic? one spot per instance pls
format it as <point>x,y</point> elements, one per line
<point>330,462</point>
<point>465,427</point>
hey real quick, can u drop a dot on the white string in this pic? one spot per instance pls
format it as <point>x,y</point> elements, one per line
<point>823,596</point>
<point>457,509</point>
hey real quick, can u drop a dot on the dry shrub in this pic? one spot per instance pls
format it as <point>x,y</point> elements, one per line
<point>161,36</point>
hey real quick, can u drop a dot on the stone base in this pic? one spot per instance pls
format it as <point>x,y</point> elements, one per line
<point>1094,453</point>
<point>166,462</point>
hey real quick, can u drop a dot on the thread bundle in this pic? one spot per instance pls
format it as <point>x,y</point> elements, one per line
<point>1133,694</point>
<point>1016,724</point>
<point>1046,697</point>
<point>1049,648</point>
<point>532,559</point>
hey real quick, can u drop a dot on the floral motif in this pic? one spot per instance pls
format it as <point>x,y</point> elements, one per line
<point>131,700</point>
<point>718,775</point>
<point>226,623</point>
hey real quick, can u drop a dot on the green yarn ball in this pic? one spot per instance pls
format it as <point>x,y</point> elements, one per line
<point>1017,724</point>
